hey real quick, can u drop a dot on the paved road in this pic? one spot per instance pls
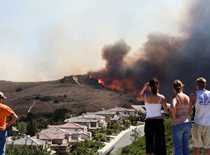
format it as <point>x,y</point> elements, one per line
<point>127,139</point>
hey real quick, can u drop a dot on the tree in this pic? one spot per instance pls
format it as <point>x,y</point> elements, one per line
<point>26,150</point>
<point>88,147</point>
<point>100,137</point>
<point>22,127</point>
<point>32,128</point>
<point>59,115</point>
<point>32,125</point>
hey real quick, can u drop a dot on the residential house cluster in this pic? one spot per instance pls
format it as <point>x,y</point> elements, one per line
<point>76,129</point>
<point>64,134</point>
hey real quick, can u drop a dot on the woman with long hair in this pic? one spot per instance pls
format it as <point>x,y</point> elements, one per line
<point>154,123</point>
<point>181,126</point>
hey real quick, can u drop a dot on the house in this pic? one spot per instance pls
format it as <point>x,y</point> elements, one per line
<point>64,134</point>
<point>71,127</point>
<point>106,113</point>
<point>27,140</point>
<point>123,112</point>
<point>91,121</point>
<point>53,136</point>
<point>117,112</point>
<point>76,132</point>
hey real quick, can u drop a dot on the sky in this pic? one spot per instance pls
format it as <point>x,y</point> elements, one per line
<point>48,39</point>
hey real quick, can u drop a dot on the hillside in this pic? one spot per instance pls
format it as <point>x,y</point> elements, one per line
<point>84,95</point>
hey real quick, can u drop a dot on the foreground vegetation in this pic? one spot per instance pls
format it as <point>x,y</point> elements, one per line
<point>26,150</point>
<point>89,147</point>
<point>138,147</point>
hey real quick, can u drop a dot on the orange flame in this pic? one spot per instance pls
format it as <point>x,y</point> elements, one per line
<point>101,82</point>
<point>123,85</point>
<point>116,85</point>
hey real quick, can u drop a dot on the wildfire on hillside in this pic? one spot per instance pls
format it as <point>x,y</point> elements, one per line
<point>125,85</point>
<point>163,56</point>
<point>101,82</point>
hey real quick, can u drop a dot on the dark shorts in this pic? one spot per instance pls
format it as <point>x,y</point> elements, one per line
<point>155,136</point>
<point>3,135</point>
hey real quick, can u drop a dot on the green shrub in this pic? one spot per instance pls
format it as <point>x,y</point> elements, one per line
<point>138,146</point>
<point>88,147</point>
<point>26,150</point>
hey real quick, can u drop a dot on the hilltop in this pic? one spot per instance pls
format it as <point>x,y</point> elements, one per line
<point>78,94</point>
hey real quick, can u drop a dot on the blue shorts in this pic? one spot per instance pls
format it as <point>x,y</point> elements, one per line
<point>3,136</point>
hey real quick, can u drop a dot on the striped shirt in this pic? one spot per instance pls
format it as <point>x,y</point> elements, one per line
<point>181,105</point>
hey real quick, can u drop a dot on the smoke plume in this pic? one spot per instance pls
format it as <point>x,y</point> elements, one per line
<point>166,57</point>
<point>115,55</point>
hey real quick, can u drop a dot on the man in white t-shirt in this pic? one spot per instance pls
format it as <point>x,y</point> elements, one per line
<point>201,127</point>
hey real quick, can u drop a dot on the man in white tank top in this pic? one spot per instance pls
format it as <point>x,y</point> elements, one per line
<point>201,126</point>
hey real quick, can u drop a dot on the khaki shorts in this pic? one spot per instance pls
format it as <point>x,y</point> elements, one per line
<point>201,136</point>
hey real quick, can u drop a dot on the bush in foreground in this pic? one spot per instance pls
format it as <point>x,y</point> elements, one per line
<point>26,150</point>
<point>138,147</point>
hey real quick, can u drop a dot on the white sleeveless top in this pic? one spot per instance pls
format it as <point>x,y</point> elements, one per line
<point>202,108</point>
<point>153,110</point>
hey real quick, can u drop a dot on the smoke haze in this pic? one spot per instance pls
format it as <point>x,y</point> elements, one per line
<point>167,57</point>
<point>46,40</point>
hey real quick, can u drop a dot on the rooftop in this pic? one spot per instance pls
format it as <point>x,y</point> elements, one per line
<point>68,125</point>
<point>27,140</point>
<point>52,133</point>
<point>89,117</point>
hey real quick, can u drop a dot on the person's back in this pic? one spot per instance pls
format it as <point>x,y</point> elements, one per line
<point>5,111</point>
<point>182,104</point>
<point>154,124</point>
<point>181,127</point>
<point>202,107</point>
<point>201,127</point>
<point>153,105</point>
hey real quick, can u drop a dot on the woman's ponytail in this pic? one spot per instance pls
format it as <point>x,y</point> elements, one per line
<point>154,84</point>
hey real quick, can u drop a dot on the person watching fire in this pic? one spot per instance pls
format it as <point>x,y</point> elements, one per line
<point>181,125</point>
<point>7,118</point>
<point>154,123</point>
<point>201,127</point>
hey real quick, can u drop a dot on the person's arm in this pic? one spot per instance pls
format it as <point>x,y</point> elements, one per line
<point>192,103</point>
<point>173,108</point>
<point>140,96</point>
<point>164,104</point>
<point>10,114</point>
<point>12,120</point>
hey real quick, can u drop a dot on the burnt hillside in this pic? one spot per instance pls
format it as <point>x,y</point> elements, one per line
<point>80,95</point>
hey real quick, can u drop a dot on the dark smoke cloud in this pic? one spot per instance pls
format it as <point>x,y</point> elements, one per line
<point>116,67</point>
<point>167,57</point>
<point>115,55</point>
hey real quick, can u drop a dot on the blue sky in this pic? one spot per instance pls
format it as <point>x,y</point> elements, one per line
<point>47,39</point>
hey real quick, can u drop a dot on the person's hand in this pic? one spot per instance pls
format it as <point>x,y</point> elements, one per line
<point>3,128</point>
<point>8,125</point>
<point>146,85</point>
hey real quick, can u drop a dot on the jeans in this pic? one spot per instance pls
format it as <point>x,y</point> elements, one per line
<point>181,136</point>
<point>3,135</point>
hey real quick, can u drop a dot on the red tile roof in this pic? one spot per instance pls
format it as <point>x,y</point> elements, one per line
<point>68,125</point>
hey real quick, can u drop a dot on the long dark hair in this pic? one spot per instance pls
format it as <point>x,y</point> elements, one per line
<point>154,84</point>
